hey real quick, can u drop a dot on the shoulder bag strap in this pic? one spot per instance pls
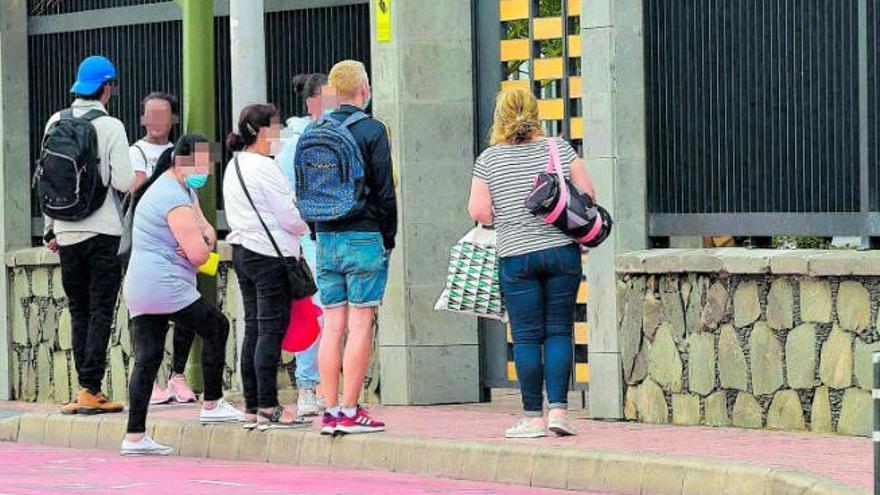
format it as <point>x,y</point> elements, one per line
<point>143,155</point>
<point>259,217</point>
<point>554,165</point>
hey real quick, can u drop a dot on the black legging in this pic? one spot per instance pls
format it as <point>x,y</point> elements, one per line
<point>183,340</point>
<point>149,343</point>
<point>266,296</point>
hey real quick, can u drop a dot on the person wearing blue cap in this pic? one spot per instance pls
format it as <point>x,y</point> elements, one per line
<point>91,272</point>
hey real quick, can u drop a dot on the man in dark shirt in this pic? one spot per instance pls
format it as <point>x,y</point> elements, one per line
<point>353,262</point>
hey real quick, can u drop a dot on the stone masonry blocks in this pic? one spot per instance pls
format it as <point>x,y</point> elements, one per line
<point>788,350</point>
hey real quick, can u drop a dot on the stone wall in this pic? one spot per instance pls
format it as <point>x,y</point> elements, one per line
<point>41,351</point>
<point>749,338</point>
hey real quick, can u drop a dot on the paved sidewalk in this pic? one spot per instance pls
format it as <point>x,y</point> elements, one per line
<point>845,459</point>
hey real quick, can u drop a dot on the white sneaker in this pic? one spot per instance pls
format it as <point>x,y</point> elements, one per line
<point>561,426</point>
<point>307,403</point>
<point>525,428</point>
<point>146,446</point>
<point>225,412</point>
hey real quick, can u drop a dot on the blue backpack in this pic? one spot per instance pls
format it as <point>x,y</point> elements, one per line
<point>330,171</point>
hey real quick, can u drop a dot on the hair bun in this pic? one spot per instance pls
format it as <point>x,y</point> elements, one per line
<point>235,141</point>
<point>299,83</point>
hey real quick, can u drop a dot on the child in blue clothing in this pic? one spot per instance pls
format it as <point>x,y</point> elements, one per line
<point>317,93</point>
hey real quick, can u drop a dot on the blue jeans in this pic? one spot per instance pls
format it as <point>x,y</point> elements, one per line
<point>540,290</point>
<point>307,375</point>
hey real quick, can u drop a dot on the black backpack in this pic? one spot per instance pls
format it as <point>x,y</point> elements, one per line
<point>68,179</point>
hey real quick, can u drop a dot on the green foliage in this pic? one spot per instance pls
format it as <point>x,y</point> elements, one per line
<point>519,29</point>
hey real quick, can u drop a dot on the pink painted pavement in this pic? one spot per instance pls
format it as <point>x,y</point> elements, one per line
<point>847,459</point>
<point>41,470</point>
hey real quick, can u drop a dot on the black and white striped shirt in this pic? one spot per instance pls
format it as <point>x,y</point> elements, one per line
<point>510,170</point>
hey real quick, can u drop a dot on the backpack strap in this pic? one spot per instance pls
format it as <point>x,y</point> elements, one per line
<point>92,115</point>
<point>354,119</point>
<point>66,114</point>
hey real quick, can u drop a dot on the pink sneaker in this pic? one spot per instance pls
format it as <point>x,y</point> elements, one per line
<point>361,422</point>
<point>178,388</point>
<point>159,395</point>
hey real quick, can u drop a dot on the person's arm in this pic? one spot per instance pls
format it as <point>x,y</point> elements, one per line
<point>184,224</point>
<point>480,202</point>
<point>121,173</point>
<point>581,179</point>
<point>138,161</point>
<point>577,170</point>
<point>205,226</point>
<point>280,199</point>
<point>381,177</point>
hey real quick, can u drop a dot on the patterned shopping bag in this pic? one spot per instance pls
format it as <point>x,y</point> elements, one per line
<point>472,283</point>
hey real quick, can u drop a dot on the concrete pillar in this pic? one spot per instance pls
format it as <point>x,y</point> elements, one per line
<point>248,74</point>
<point>248,51</point>
<point>614,150</point>
<point>15,191</point>
<point>423,89</point>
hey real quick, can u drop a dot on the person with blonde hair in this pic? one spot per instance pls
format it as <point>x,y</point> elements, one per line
<point>353,250</point>
<point>540,265</point>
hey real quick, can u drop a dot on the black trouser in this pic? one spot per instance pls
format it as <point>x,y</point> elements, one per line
<point>266,296</point>
<point>183,340</point>
<point>148,336</point>
<point>91,274</point>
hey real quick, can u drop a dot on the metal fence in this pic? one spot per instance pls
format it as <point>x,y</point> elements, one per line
<point>148,57</point>
<point>762,117</point>
<point>55,7</point>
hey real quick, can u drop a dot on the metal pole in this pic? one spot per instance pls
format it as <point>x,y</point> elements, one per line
<point>876,437</point>
<point>864,159</point>
<point>198,117</point>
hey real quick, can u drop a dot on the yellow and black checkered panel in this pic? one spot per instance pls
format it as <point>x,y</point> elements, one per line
<point>541,50</point>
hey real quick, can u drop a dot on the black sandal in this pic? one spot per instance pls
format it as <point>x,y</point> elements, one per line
<point>273,420</point>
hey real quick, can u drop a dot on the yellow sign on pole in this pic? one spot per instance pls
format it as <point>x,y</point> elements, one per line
<point>383,20</point>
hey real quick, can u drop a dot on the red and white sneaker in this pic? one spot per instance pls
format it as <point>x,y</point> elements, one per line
<point>361,422</point>
<point>329,423</point>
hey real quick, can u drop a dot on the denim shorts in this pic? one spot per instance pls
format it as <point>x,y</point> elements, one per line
<point>352,269</point>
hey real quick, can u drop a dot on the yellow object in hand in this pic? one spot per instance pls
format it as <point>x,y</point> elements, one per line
<point>210,266</point>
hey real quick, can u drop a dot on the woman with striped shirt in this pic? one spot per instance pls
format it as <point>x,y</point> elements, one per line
<point>540,266</point>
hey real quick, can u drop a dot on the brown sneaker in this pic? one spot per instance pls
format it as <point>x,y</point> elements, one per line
<point>69,408</point>
<point>88,403</point>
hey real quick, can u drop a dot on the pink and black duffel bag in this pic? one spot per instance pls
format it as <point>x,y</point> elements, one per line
<point>560,203</point>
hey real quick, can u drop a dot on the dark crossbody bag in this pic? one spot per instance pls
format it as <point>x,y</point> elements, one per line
<point>299,277</point>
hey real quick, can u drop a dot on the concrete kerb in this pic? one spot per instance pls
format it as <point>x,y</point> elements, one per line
<point>516,463</point>
<point>9,429</point>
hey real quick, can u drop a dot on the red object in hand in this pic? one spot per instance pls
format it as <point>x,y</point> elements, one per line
<point>304,327</point>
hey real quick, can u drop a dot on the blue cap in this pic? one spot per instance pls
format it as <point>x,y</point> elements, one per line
<point>92,74</point>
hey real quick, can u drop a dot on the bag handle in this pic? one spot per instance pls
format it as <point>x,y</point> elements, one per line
<point>554,165</point>
<point>259,217</point>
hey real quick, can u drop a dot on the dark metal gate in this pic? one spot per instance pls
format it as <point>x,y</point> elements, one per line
<point>762,117</point>
<point>148,54</point>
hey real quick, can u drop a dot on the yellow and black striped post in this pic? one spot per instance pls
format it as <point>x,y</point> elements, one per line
<point>876,437</point>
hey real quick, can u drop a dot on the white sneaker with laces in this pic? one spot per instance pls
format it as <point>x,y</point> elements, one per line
<point>146,446</point>
<point>224,412</point>
<point>526,428</point>
<point>307,403</point>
